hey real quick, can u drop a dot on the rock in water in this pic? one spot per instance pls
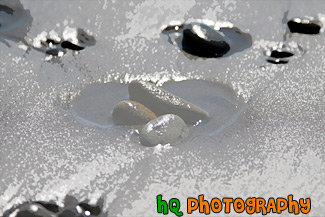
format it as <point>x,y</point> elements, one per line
<point>201,40</point>
<point>277,61</point>
<point>162,102</point>
<point>304,26</point>
<point>206,38</point>
<point>165,129</point>
<point>281,54</point>
<point>128,112</point>
<point>30,210</point>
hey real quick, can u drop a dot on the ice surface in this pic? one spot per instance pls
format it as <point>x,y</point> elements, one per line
<point>274,148</point>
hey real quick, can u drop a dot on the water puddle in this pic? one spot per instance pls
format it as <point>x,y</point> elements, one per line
<point>289,49</point>
<point>15,21</point>
<point>95,104</point>
<point>204,38</point>
<point>282,52</point>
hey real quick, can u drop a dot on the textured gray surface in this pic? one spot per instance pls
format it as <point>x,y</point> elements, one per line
<point>274,148</point>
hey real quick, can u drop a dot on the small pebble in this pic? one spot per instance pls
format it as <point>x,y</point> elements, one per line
<point>202,40</point>
<point>162,102</point>
<point>71,46</point>
<point>128,112</point>
<point>281,54</point>
<point>165,129</point>
<point>304,26</point>
<point>206,38</point>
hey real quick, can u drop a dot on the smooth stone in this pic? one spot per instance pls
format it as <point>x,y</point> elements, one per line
<point>165,129</point>
<point>281,54</point>
<point>162,102</point>
<point>202,40</point>
<point>71,46</point>
<point>128,112</point>
<point>304,26</point>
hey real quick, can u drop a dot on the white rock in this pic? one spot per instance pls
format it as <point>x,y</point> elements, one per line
<point>162,102</point>
<point>165,129</point>
<point>128,112</point>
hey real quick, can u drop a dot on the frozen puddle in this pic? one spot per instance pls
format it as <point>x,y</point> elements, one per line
<point>15,21</point>
<point>95,103</point>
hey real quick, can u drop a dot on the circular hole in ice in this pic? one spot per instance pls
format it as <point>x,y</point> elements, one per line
<point>14,20</point>
<point>95,103</point>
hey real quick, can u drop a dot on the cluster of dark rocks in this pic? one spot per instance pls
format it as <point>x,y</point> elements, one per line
<point>72,208</point>
<point>59,47</point>
<point>296,25</point>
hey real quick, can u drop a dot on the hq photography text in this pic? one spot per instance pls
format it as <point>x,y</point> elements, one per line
<point>226,205</point>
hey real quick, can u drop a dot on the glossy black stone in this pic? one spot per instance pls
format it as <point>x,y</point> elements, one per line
<point>206,40</point>
<point>277,61</point>
<point>313,27</point>
<point>211,46</point>
<point>281,54</point>
<point>71,46</point>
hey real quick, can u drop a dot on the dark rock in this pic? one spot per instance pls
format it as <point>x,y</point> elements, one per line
<point>277,61</point>
<point>203,41</point>
<point>281,54</point>
<point>71,46</point>
<point>204,38</point>
<point>304,26</point>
